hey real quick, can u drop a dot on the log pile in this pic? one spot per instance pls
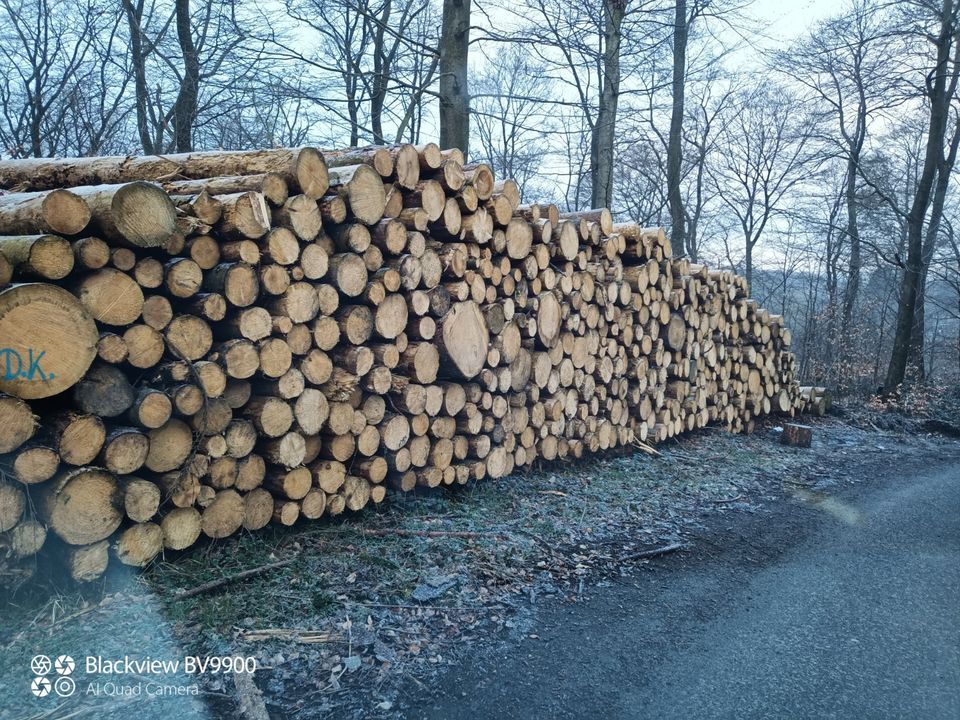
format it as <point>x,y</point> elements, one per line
<point>201,344</point>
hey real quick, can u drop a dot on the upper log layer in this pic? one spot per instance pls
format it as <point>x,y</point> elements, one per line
<point>303,168</point>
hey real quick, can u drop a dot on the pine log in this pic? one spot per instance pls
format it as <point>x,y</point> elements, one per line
<point>138,214</point>
<point>362,189</point>
<point>47,339</point>
<point>82,506</point>
<point>303,168</point>
<point>462,339</point>
<point>55,211</point>
<point>40,256</point>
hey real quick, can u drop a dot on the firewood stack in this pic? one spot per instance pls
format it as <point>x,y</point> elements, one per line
<point>204,343</point>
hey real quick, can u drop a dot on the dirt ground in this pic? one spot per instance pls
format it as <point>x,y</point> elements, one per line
<point>371,615</point>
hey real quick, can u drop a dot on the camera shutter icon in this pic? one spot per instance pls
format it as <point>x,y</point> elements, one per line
<point>40,687</point>
<point>41,665</point>
<point>64,665</point>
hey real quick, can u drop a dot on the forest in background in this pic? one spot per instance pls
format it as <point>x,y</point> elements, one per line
<point>820,168</point>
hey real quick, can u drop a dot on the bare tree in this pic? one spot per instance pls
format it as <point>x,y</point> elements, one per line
<point>940,90</point>
<point>509,118</point>
<point>763,157</point>
<point>846,66</point>
<point>44,48</point>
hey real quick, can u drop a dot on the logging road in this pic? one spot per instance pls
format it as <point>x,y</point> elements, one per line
<point>795,612</point>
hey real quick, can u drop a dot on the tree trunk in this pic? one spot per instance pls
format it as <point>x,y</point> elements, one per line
<point>602,137</point>
<point>929,246</point>
<point>675,140</point>
<point>454,89</point>
<point>853,235</point>
<point>381,74</point>
<point>138,58</point>
<point>913,268</point>
<point>185,107</point>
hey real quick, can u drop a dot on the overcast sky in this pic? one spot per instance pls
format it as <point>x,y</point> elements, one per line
<point>786,19</point>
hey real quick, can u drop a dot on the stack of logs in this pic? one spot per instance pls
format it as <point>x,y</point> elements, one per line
<point>203,343</point>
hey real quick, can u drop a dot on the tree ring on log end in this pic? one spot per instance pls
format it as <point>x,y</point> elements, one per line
<point>51,334</point>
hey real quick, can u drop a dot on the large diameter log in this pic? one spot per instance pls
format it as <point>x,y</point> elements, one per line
<point>462,339</point>
<point>59,212</point>
<point>138,213</point>
<point>362,188</point>
<point>47,340</point>
<point>303,168</point>
<point>82,506</point>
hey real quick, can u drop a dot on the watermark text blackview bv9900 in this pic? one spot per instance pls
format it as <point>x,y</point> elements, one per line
<point>128,676</point>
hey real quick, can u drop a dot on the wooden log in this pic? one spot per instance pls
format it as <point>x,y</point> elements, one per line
<point>462,339</point>
<point>138,214</point>
<point>55,211</point>
<point>87,563</point>
<point>13,502</point>
<point>245,216</point>
<point>82,506</point>
<point>224,516</point>
<point>47,339</point>
<point>362,189</point>
<point>139,544</point>
<point>304,169</point>
<point>47,257</point>
<point>796,435</point>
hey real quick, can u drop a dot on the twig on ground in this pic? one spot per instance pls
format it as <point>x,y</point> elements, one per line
<point>655,552</point>
<point>216,584</point>
<point>461,608</point>
<point>728,500</point>
<point>308,637</point>
<point>428,533</point>
<point>646,448</point>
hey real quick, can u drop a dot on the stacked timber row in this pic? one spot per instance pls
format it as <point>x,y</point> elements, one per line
<point>200,344</point>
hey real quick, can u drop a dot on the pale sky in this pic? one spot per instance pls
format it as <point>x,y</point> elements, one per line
<point>787,19</point>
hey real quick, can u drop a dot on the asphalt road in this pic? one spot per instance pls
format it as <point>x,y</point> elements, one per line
<point>844,610</point>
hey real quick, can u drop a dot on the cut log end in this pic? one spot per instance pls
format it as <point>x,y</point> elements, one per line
<point>47,338</point>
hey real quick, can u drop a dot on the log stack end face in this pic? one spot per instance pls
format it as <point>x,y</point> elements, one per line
<point>279,335</point>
